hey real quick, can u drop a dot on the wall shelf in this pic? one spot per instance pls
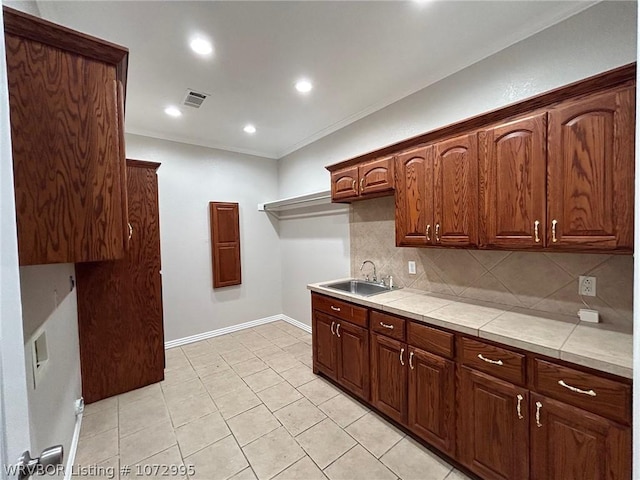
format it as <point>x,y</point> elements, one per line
<point>308,205</point>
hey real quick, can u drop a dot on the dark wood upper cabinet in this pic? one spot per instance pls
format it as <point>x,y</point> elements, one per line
<point>493,432</point>
<point>455,191</point>
<point>414,197</point>
<point>225,244</point>
<point>66,100</point>
<point>432,399</point>
<point>513,174</point>
<point>572,444</point>
<point>591,172</point>
<point>120,320</point>
<point>389,376</point>
<point>367,180</point>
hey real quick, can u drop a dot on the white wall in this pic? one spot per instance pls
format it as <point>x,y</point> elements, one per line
<point>14,415</point>
<point>190,177</point>
<point>598,39</point>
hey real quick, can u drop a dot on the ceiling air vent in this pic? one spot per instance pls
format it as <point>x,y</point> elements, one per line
<point>194,99</point>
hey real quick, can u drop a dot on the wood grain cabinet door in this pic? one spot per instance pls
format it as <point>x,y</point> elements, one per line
<point>571,444</point>
<point>455,191</point>
<point>389,376</point>
<point>376,176</point>
<point>324,344</point>
<point>414,197</point>
<point>344,184</point>
<point>353,358</point>
<point>225,244</point>
<point>432,399</point>
<point>513,176</point>
<point>591,171</point>
<point>493,433</point>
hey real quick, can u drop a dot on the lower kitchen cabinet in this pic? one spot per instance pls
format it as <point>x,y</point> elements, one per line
<point>571,444</point>
<point>431,412</point>
<point>493,427</point>
<point>341,351</point>
<point>389,377</point>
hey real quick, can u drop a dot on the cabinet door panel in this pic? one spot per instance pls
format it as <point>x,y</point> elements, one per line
<point>493,437</point>
<point>513,184</point>
<point>573,444</point>
<point>591,169</point>
<point>353,358</point>
<point>389,377</point>
<point>414,197</point>
<point>431,399</point>
<point>376,176</point>
<point>324,349</point>
<point>344,184</point>
<point>456,191</point>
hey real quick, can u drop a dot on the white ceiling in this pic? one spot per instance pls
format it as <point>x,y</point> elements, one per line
<point>361,56</point>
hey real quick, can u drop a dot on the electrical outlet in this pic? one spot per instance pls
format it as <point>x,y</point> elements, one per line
<point>587,286</point>
<point>412,268</point>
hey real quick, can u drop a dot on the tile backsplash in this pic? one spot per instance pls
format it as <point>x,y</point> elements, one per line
<point>540,281</point>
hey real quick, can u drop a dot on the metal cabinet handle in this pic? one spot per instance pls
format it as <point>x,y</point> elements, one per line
<point>338,330</point>
<point>401,356</point>
<point>488,360</point>
<point>384,325</point>
<point>536,231</point>
<point>554,238</point>
<point>130,231</point>
<point>437,232</point>
<point>591,393</point>
<point>520,398</point>
<point>332,331</point>
<point>538,407</point>
<point>411,360</point>
<point>362,184</point>
<point>353,185</point>
<point>335,309</point>
<point>428,232</point>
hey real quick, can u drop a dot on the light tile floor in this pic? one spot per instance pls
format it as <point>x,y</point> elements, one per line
<point>246,405</point>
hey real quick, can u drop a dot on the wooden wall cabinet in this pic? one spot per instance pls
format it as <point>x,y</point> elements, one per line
<point>120,320</point>
<point>414,197</point>
<point>66,101</point>
<point>367,180</point>
<point>225,244</point>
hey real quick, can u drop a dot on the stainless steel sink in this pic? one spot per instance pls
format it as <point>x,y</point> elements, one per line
<point>358,287</point>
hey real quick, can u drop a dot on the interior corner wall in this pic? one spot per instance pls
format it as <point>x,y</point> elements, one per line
<point>189,178</point>
<point>598,39</point>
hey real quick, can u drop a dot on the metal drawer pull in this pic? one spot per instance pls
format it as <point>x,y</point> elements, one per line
<point>353,185</point>
<point>536,226</point>
<point>411,360</point>
<point>130,231</point>
<point>591,393</point>
<point>338,330</point>
<point>428,232</point>
<point>401,356</point>
<point>554,238</point>
<point>362,184</point>
<point>488,360</point>
<point>390,327</point>
<point>520,398</point>
<point>332,324</point>
<point>437,232</point>
<point>335,309</point>
<point>538,407</point>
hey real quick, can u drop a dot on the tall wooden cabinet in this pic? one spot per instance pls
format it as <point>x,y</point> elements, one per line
<point>66,101</point>
<point>120,302</point>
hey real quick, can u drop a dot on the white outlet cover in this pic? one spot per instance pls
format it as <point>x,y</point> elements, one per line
<point>587,286</point>
<point>412,268</point>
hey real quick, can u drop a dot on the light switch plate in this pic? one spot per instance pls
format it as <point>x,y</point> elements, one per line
<point>412,268</point>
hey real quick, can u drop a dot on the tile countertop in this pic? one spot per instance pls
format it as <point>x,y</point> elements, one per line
<point>557,336</point>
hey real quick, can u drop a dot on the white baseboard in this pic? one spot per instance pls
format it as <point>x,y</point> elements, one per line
<point>235,328</point>
<point>73,449</point>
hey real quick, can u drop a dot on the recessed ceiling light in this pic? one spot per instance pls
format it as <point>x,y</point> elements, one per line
<point>201,46</point>
<point>173,111</point>
<point>304,86</point>
<point>249,128</point>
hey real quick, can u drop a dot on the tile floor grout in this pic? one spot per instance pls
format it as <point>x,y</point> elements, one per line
<point>298,415</point>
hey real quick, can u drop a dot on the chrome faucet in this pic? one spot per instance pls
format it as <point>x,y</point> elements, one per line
<point>375,276</point>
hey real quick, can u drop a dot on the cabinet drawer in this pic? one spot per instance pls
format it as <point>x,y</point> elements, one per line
<point>388,325</point>
<point>340,309</point>
<point>497,361</point>
<point>430,339</point>
<point>599,395</point>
